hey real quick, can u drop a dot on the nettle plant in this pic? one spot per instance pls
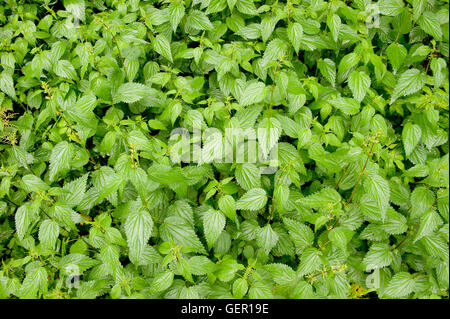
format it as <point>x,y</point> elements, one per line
<point>99,199</point>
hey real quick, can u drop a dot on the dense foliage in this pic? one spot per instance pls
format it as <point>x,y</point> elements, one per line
<point>353,95</point>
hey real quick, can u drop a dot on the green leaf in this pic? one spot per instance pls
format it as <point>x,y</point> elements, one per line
<point>131,92</point>
<point>213,225</point>
<point>401,285</point>
<point>394,223</point>
<point>216,6</point>
<point>7,84</point>
<point>139,179</point>
<point>63,214</point>
<point>60,160</point>
<point>227,205</point>
<point>282,274</point>
<point>34,183</point>
<point>429,22</point>
<point>259,290</point>
<point>359,83</point>
<point>82,263</point>
<point>269,132</point>
<point>429,222</point>
<point>181,232</point>
<point>76,190</point>
<point>338,237</point>
<point>184,269</point>
<point>347,63</point>
<point>334,24</point>
<point>310,261</point>
<point>275,50</point>
<point>35,282</point>
<point>267,26</point>
<point>176,13</point>
<point>48,233</point>
<point>378,256</point>
<point>198,20</point>
<point>109,254</point>
<point>301,234</point>
<point>281,197</point>
<point>378,189</point>
<point>106,182</point>
<point>240,287</point>
<point>162,281</point>
<point>327,68</point>
<point>390,7</point>
<point>438,66</point>
<point>323,198</point>
<point>76,7</point>
<point>246,7</point>
<point>201,265</point>
<point>421,201</point>
<point>396,54</point>
<point>253,93</point>
<point>295,33</point>
<point>411,135</point>
<point>65,69</point>
<point>24,216</point>
<point>248,176</point>
<point>409,82</point>
<point>140,141</point>
<point>254,199</point>
<point>181,208</point>
<point>162,46</point>
<point>435,245</point>
<point>346,105</point>
<point>231,4</point>
<point>19,155</point>
<point>267,238</point>
<point>339,285</point>
<point>138,229</point>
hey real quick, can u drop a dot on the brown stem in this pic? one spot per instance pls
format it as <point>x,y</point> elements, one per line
<point>342,176</point>
<point>403,241</point>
